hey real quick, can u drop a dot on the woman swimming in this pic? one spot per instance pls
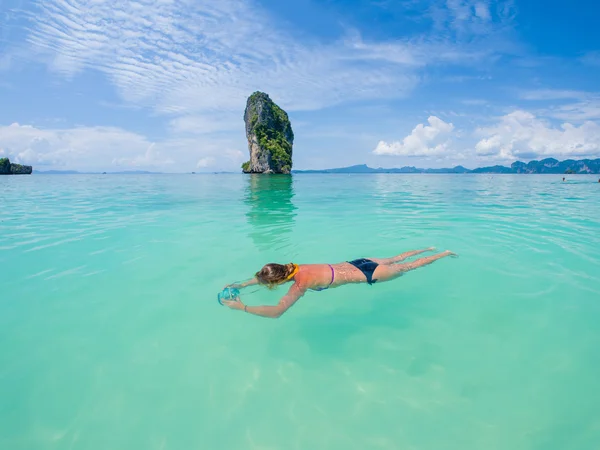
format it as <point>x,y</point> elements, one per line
<point>318,277</point>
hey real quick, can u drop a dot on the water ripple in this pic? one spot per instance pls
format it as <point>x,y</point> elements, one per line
<point>109,328</point>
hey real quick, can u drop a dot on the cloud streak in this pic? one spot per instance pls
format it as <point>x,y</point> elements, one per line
<point>183,56</point>
<point>585,107</point>
<point>193,56</point>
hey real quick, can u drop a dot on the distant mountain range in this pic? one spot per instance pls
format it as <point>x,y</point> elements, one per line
<point>363,168</point>
<point>549,165</point>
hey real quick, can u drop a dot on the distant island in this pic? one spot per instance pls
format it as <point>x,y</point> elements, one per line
<point>549,165</point>
<point>8,168</point>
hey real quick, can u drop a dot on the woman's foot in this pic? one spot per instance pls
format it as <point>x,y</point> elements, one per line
<point>452,254</point>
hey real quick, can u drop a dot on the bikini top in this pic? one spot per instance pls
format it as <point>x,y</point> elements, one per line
<point>330,283</point>
<point>295,271</point>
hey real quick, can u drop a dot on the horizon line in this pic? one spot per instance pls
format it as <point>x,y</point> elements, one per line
<point>148,172</point>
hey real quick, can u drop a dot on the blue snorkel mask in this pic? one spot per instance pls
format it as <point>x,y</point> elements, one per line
<point>228,294</point>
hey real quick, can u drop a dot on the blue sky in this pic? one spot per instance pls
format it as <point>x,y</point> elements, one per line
<point>162,84</point>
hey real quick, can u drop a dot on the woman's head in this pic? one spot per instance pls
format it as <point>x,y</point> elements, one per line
<point>273,274</point>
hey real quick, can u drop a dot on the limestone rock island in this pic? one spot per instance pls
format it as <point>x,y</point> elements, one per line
<point>270,136</point>
<point>8,168</point>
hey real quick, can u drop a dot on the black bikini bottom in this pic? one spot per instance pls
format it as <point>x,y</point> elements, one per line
<point>367,267</point>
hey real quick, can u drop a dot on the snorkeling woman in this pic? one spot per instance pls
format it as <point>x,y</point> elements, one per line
<point>318,277</point>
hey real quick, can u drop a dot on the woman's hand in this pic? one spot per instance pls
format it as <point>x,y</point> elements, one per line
<point>234,304</point>
<point>233,286</point>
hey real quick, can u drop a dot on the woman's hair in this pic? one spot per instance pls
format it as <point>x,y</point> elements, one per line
<point>273,274</point>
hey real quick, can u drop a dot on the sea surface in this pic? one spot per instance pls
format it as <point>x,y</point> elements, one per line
<point>111,336</point>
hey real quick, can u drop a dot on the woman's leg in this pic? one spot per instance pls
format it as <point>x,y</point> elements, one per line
<point>400,257</point>
<point>391,271</point>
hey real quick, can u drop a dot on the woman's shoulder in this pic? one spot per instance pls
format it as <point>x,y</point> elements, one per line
<point>309,271</point>
<point>313,266</point>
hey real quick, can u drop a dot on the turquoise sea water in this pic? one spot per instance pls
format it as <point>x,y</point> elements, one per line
<point>111,336</point>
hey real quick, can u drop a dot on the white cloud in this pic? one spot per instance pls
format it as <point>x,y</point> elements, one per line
<point>489,147</point>
<point>521,135</point>
<point>472,16</point>
<point>205,162</point>
<point>482,11</point>
<point>425,140</point>
<point>109,148</point>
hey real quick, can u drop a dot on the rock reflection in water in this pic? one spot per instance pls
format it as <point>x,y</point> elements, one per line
<point>271,211</point>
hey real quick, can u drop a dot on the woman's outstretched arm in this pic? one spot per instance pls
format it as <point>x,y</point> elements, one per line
<point>275,311</point>
<point>250,282</point>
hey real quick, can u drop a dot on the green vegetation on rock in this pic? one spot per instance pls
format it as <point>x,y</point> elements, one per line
<point>274,141</point>
<point>4,166</point>
<point>7,168</point>
<point>270,136</point>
